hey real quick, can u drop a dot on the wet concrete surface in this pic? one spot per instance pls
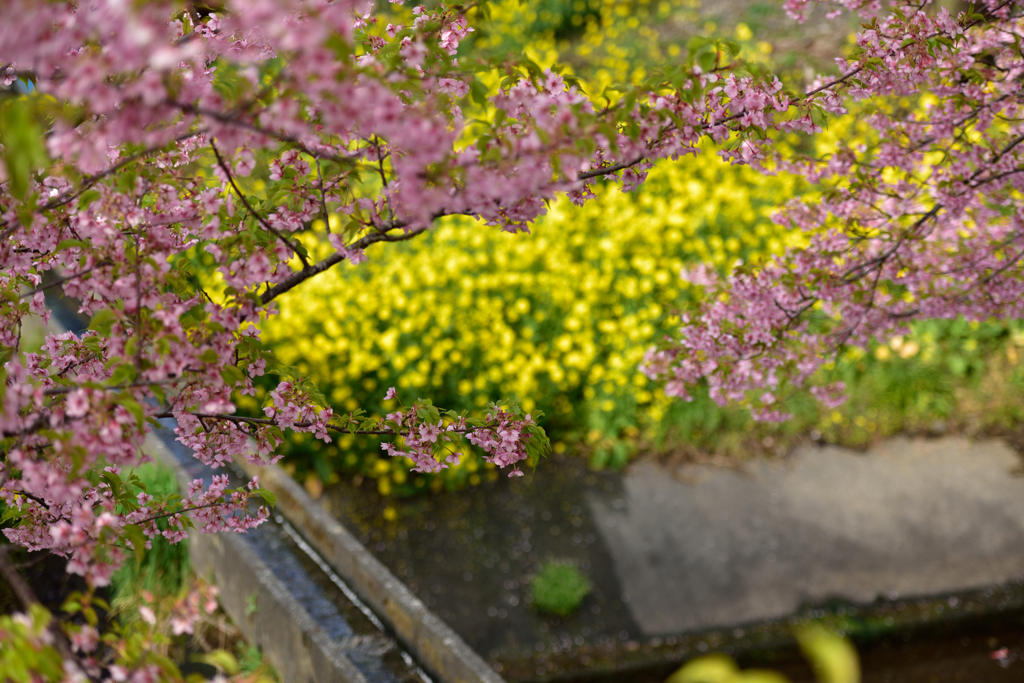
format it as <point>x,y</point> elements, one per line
<point>716,547</point>
<point>688,561</point>
<point>469,557</point>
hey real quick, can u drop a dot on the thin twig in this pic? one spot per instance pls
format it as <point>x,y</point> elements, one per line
<point>323,198</point>
<point>245,202</point>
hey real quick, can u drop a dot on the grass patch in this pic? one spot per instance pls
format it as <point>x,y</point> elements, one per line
<point>163,569</point>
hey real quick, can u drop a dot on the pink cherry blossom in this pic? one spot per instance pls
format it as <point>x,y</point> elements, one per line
<point>141,204</point>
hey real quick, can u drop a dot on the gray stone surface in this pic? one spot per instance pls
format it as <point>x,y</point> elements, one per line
<point>702,547</point>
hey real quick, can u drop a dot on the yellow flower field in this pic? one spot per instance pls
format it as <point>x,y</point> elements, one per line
<point>558,319</point>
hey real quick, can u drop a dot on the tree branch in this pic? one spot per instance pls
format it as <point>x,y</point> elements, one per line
<point>309,271</point>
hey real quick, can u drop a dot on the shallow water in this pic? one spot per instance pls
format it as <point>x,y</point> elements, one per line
<point>469,557</point>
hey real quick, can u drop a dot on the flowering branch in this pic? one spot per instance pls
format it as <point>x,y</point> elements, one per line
<point>252,212</point>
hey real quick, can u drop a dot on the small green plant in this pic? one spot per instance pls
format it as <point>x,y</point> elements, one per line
<point>559,588</point>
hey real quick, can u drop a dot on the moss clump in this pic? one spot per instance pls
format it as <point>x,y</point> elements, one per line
<point>558,588</point>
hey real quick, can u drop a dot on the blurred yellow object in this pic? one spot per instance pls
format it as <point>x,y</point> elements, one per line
<point>832,657</point>
<point>719,668</point>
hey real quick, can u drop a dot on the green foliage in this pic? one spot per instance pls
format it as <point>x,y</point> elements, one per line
<point>244,665</point>
<point>22,140</point>
<point>945,373</point>
<point>720,668</point>
<point>250,660</point>
<point>558,588</point>
<point>28,654</point>
<point>163,569</point>
<point>832,657</point>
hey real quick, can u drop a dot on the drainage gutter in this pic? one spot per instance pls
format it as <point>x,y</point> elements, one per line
<point>259,604</point>
<point>437,648</point>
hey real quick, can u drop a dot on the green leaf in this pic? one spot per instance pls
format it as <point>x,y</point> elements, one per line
<point>123,374</point>
<point>73,604</point>
<point>133,407</point>
<point>707,61</point>
<point>85,200</point>
<point>696,43</point>
<point>222,660</point>
<point>102,321</point>
<point>532,68</point>
<point>268,496</point>
<point>231,375</point>
<point>69,244</point>
<point>113,481</point>
<point>23,142</point>
<point>478,93</point>
<point>710,669</point>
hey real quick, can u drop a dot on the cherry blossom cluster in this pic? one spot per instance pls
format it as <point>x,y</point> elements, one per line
<point>290,409</point>
<point>507,435</point>
<point>920,216</point>
<point>506,442</point>
<point>420,441</point>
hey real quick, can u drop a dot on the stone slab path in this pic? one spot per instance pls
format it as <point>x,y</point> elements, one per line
<point>704,547</point>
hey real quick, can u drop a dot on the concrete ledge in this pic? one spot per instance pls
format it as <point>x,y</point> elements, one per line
<point>260,604</point>
<point>441,651</point>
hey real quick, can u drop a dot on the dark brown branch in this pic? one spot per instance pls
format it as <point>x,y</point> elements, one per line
<point>183,511</point>
<point>300,276</point>
<point>607,170</point>
<point>268,422</point>
<point>31,497</point>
